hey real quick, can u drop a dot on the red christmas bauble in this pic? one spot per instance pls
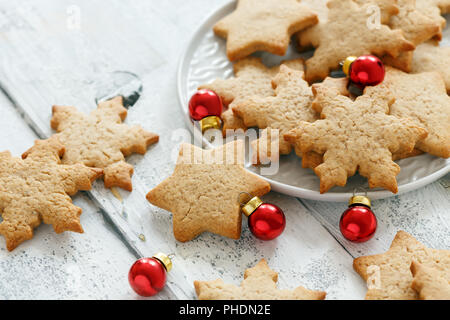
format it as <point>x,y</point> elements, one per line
<point>205,103</point>
<point>358,223</point>
<point>367,70</point>
<point>267,222</point>
<point>147,276</point>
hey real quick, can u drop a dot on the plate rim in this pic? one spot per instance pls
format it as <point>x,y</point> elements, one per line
<point>276,185</point>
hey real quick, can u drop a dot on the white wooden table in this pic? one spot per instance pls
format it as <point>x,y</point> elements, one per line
<point>53,52</point>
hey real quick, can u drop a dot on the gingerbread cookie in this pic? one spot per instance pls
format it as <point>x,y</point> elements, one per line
<point>341,84</point>
<point>430,57</point>
<point>37,189</point>
<point>444,6</point>
<point>203,191</point>
<point>262,147</point>
<point>434,9</point>
<point>356,135</point>
<point>390,271</point>
<point>260,283</point>
<point>319,7</point>
<point>263,25</point>
<point>346,33</point>
<point>422,98</point>
<point>101,140</point>
<point>252,78</point>
<point>417,28</point>
<point>282,112</point>
<point>414,153</point>
<point>388,8</point>
<point>432,282</point>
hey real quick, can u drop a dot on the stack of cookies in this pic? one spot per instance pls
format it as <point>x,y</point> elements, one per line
<point>337,134</point>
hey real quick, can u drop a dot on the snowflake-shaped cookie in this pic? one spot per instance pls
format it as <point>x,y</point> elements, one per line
<point>101,140</point>
<point>37,189</point>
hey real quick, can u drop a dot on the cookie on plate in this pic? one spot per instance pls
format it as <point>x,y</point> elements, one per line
<point>392,269</point>
<point>430,57</point>
<point>417,28</point>
<point>37,188</point>
<point>341,84</point>
<point>203,191</point>
<point>251,78</point>
<point>444,6</point>
<point>356,135</point>
<point>347,33</point>
<point>260,283</point>
<point>388,8</point>
<point>263,25</point>
<point>101,140</point>
<point>282,112</point>
<point>422,99</point>
<point>432,282</point>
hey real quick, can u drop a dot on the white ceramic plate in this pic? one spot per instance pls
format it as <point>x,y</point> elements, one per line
<point>205,60</point>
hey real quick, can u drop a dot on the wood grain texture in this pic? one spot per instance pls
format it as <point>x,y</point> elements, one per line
<point>44,63</point>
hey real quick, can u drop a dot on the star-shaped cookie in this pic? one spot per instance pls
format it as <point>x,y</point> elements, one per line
<point>251,77</point>
<point>345,33</point>
<point>260,283</point>
<point>391,270</point>
<point>203,191</point>
<point>417,28</point>
<point>422,98</point>
<point>430,57</point>
<point>282,112</point>
<point>101,140</point>
<point>263,25</point>
<point>432,282</point>
<point>356,135</point>
<point>37,189</point>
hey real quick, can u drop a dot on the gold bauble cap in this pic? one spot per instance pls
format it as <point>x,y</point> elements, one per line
<point>359,200</point>
<point>251,206</point>
<point>211,122</point>
<point>164,259</point>
<point>347,63</point>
